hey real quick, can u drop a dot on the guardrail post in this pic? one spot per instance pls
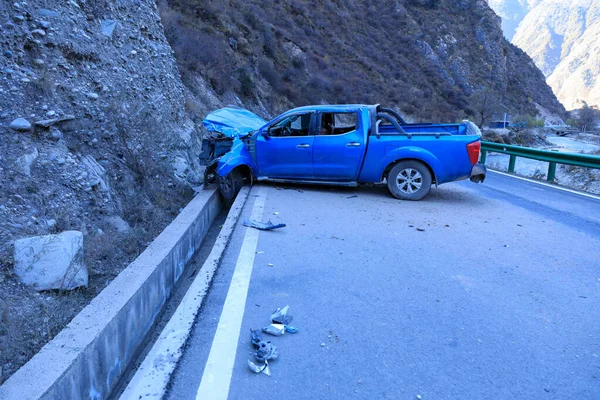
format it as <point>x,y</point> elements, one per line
<point>511,163</point>
<point>551,172</point>
<point>483,157</point>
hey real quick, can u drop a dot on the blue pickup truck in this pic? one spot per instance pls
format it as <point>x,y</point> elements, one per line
<point>344,145</point>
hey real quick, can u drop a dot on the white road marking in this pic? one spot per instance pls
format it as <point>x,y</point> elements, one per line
<point>152,377</point>
<point>591,196</point>
<point>219,367</point>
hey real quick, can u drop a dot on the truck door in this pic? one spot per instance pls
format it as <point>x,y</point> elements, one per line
<point>285,149</point>
<point>339,147</point>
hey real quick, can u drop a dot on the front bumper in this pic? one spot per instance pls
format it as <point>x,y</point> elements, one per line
<point>478,173</point>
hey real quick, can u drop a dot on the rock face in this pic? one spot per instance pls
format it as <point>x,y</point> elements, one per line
<point>107,134</point>
<point>97,85</point>
<point>51,261</point>
<point>563,38</point>
<point>425,57</point>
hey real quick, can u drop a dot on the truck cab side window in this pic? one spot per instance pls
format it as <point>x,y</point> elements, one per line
<point>338,123</point>
<point>292,126</point>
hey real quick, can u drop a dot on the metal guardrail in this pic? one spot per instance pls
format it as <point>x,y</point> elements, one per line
<point>552,157</point>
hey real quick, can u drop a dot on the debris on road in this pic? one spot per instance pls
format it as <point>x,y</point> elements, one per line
<point>280,316</point>
<point>275,213</point>
<point>290,329</point>
<point>421,229</point>
<point>263,226</point>
<point>257,369</point>
<point>274,329</point>
<point>264,351</point>
<point>352,197</point>
<point>271,265</point>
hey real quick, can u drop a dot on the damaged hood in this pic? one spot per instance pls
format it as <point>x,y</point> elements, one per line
<point>232,121</point>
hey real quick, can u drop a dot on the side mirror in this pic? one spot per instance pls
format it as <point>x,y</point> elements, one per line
<point>265,134</point>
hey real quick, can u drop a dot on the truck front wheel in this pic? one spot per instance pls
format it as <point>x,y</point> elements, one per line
<point>230,185</point>
<point>409,180</point>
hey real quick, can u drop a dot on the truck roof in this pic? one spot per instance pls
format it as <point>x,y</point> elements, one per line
<point>331,107</point>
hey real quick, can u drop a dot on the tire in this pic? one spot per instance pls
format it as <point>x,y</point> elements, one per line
<point>230,185</point>
<point>409,180</point>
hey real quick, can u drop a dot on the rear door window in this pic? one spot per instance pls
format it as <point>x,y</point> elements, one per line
<point>338,123</point>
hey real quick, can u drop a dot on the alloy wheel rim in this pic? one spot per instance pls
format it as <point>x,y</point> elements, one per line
<point>409,180</point>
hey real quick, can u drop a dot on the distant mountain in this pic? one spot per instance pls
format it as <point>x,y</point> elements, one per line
<point>563,38</point>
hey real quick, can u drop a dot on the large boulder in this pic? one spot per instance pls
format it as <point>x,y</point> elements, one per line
<point>51,261</point>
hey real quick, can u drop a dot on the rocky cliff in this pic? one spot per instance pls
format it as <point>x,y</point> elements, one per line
<point>425,57</point>
<point>563,38</point>
<point>94,137</point>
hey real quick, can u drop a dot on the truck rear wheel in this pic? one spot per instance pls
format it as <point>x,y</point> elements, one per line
<point>230,185</point>
<point>409,180</point>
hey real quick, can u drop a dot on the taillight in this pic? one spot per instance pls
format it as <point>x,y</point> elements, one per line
<point>473,149</point>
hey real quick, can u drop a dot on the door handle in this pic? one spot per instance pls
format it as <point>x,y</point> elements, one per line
<point>303,146</point>
<point>352,144</point>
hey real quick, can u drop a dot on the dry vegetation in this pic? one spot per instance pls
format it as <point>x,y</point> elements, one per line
<point>426,57</point>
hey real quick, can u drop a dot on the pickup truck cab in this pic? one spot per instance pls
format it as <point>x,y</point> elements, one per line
<point>344,145</point>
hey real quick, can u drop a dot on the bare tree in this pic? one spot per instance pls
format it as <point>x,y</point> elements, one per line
<point>587,117</point>
<point>485,105</point>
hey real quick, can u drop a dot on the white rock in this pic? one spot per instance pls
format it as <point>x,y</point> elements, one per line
<point>92,96</point>
<point>51,261</point>
<point>119,224</point>
<point>20,124</point>
<point>25,161</point>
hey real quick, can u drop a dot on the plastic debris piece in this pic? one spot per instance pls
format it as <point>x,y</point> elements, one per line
<point>290,329</point>
<point>275,213</point>
<point>263,350</point>
<point>256,337</point>
<point>352,197</point>
<point>257,369</point>
<point>271,265</point>
<point>263,226</point>
<point>280,316</point>
<point>267,370</point>
<point>274,329</point>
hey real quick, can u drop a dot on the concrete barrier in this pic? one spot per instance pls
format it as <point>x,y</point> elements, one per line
<point>87,358</point>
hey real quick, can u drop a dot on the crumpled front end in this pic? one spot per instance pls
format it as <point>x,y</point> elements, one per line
<point>233,121</point>
<point>237,156</point>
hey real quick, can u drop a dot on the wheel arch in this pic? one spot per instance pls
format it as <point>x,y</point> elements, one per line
<point>246,171</point>
<point>391,165</point>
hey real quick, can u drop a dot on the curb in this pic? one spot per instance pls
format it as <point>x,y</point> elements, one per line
<point>152,377</point>
<point>89,356</point>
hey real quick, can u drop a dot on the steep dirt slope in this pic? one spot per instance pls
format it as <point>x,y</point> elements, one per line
<point>426,57</point>
<point>113,162</point>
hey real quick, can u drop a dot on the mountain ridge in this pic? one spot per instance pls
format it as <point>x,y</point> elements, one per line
<point>562,38</point>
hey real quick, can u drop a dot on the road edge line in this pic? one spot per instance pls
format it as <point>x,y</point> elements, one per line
<point>218,370</point>
<point>154,374</point>
<point>564,189</point>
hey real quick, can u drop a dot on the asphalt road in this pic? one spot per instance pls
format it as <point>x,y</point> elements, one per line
<point>476,292</point>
